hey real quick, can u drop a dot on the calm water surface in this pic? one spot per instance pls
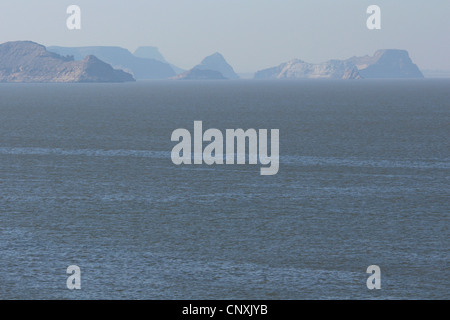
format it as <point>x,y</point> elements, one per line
<point>86,178</point>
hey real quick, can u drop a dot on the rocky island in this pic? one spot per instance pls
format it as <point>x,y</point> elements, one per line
<point>27,61</point>
<point>213,67</point>
<point>384,64</point>
<point>121,58</point>
<point>298,69</point>
<point>388,63</point>
<point>199,74</point>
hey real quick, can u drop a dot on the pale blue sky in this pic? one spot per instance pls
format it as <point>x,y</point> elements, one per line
<point>251,34</point>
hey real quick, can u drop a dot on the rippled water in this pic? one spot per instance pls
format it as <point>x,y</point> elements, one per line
<point>86,178</point>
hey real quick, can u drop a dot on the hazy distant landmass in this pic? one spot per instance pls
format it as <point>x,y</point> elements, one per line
<point>213,67</point>
<point>200,74</point>
<point>297,69</point>
<point>389,63</point>
<point>27,61</point>
<point>141,68</point>
<point>150,52</point>
<point>217,62</point>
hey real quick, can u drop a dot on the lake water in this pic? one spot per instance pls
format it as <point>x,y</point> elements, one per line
<point>86,179</point>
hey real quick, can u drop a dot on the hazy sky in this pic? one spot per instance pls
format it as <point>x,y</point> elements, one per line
<point>251,34</point>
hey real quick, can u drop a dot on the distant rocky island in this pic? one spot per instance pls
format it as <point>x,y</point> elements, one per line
<point>200,74</point>
<point>27,61</point>
<point>298,69</point>
<point>141,68</point>
<point>213,67</point>
<point>386,64</point>
<point>383,64</point>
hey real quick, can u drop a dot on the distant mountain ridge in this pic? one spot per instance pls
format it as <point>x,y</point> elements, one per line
<point>27,61</point>
<point>141,68</point>
<point>389,63</point>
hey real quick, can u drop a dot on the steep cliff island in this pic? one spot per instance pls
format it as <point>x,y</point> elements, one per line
<point>27,61</point>
<point>385,64</point>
